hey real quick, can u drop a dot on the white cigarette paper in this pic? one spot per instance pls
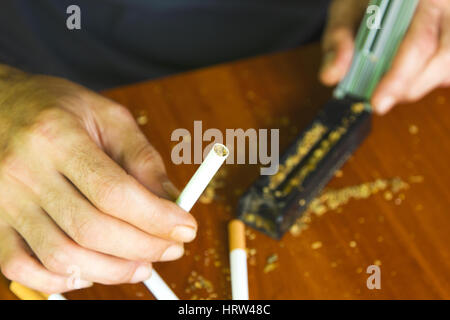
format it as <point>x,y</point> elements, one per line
<point>56,296</point>
<point>159,289</point>
<point>238,270</point>
<point>202,176</point>
<point>188,197</point>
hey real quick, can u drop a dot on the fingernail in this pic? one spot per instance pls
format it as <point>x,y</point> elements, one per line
<point>172,253</point>
<point>384,105</point>
<point>171,190</point>
<point>142,273</point>
<point>183,233</point>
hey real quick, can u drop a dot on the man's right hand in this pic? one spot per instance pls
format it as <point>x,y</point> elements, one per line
<point>81,189</point>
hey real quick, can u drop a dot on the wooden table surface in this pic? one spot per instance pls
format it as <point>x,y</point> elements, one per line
<point>406,233</point>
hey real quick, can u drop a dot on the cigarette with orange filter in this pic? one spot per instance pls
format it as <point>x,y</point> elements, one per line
<point>25,293</point>
<point>238,260</point>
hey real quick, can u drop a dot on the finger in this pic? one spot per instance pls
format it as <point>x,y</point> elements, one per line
<point>60,255</point>
<point>436,72</point>
<point>338,39</point>
<point>118,194</point>
<point>18,265</point>
<point>418,47</point>
<point>127,145</point>
<point>97,231</point>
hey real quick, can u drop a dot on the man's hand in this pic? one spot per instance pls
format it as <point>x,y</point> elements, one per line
<point>422,62</point>
<point>81,189</point>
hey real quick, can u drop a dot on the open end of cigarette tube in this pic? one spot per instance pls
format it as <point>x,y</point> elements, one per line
<point>221,150</point>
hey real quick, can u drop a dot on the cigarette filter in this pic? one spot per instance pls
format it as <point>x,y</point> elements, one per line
<point>238,260</point>
<point>25,293</point>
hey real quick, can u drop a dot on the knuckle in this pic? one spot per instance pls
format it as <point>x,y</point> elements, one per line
<point>426,43</point>
<point>147,156</point>
<point>119,112</point>
<point>57,259</point>
<point>153,217</point>
<point>47,126</point>
<point>10,165</point>
<point>110,193</point>
<point>85,233</point>
<point>121,275</point>
<point>153,252</point>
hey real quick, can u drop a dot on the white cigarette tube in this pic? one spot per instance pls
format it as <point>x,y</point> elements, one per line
<point>56,296</point>
<point>238,260</point>
<point>186,201</point>
<point>159,289</point>
<point>202,177</point>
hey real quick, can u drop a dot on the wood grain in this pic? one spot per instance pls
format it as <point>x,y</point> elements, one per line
<point>410,237</point>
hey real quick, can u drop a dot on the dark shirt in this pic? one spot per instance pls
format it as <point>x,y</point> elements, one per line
<point>125,41</point>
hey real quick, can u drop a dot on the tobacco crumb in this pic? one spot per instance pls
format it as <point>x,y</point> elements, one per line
<point>250,234</point>
<point>271,263</point>
<point>352,244</point>
<point>388,195</point>
<point>197,282</point>
<point>339,174</point>
<point>316,245</point>
<point>377,262</point>
<point>413,129</point>
<point>272,258</point>
<point>416,179</point>
<point>142,120</point>
<point>218,182</point>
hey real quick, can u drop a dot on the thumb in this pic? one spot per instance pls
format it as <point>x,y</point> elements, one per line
<point>338,39</point>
